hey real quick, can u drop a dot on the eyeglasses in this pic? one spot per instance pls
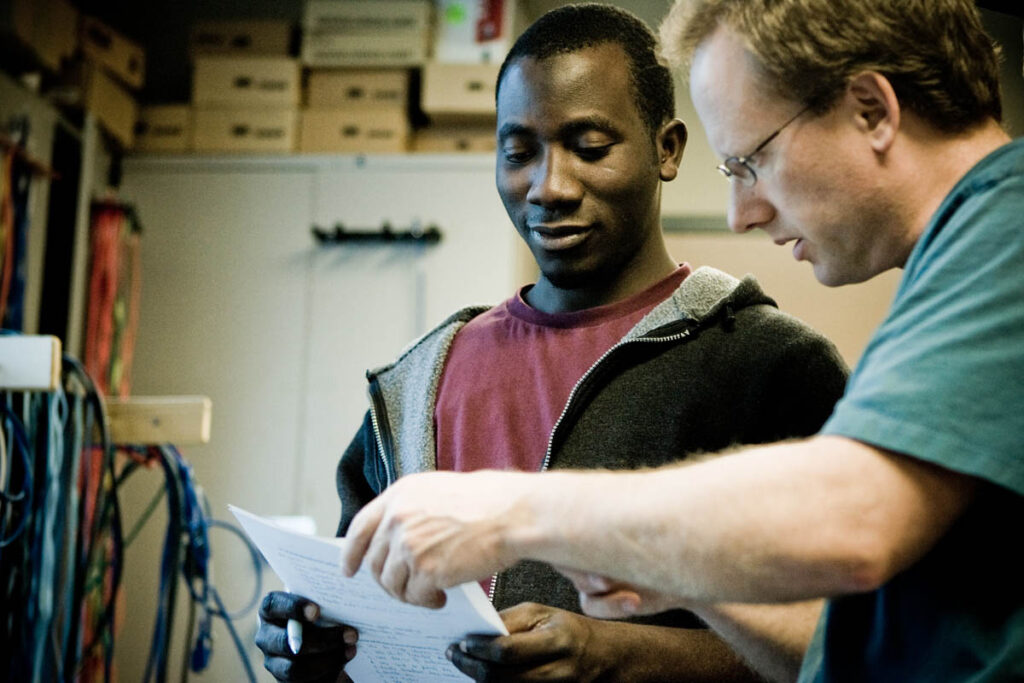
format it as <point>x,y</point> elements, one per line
<point>740,167</point>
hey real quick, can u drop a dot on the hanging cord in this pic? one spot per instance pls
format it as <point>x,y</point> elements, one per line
<point>187,549</point>
<point>101,552</point>
<point>19,444</point>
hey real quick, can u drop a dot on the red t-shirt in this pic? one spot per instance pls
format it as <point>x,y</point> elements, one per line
<point>511,369</point>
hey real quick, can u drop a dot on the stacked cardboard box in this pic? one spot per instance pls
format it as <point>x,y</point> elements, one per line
<point>470,42</point>
<point>47,29</point>
<point>356,111</point>
<point>245,104</point>
<point>246,90</point>
<point>102,80</point>
<point>359,53</point>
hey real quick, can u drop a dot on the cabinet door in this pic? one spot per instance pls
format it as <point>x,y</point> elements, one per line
<point>224,289</point>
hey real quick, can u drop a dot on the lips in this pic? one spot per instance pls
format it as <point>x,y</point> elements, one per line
<point>559,237</point>
<point>798,246</point>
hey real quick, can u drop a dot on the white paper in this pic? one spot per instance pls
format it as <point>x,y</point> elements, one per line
<point>397,641</point>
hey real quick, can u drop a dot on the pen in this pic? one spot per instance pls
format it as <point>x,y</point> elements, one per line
<point>294,635</point>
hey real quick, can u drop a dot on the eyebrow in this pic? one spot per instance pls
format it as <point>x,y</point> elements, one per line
<point>567,130</point>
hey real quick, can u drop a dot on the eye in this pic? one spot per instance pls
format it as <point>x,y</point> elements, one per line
<point>517,152</point>
<point>592,145</point>
<point>592,152</point>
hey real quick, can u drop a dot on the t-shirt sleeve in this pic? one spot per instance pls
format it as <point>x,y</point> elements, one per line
<point>943,378</point>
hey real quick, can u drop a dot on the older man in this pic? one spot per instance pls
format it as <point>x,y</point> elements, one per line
<point>866,134</point>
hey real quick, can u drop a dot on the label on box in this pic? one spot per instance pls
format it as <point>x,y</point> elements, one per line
<point>357,88</point>
<point>348,131</point>
<point>244,130</point>
<point>388,49</point>
<point>164,128</point>
<point>246,81</point>
<point>241,37</point>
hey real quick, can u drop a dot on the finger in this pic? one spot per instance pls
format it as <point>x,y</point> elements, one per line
<point>478,670</point>
<point>319,638</point>
<point>520,649</point>
<point>272,640</point>
<point>315,669</point>
<point>279,606</point>
<point>524,616</point>
<point>421,590</point>
<point>394,575</point>
<point>360,533</point>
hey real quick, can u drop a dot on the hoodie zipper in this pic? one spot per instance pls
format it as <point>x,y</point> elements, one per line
<point>377,405</point>
<point>678,336</point>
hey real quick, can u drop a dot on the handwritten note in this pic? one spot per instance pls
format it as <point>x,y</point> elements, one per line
<point>397,641</point>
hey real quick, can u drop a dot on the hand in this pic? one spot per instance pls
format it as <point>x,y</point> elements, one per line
<point>431,531</point>
<point>612,599</point>
<point>326,646</point>
<point>544,644</point>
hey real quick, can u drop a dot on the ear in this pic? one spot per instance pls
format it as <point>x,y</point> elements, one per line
<point>875,109</point>
<point>671,142</point>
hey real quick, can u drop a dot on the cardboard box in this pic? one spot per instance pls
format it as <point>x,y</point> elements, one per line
<point>455,139</point>
<point>250,82</point>
<point>367,17</point>
<point>321,49</point>
<point>366,32</point>
<point>47,28</point>
<point>119,55</point>
<point>240,38</point>
<point>354,131</point>
<point>345,88</point>
<point>477,31</point>
<point>244,130</point>
<point>90,87</point>
<point>453,92</point>
<point>164,128</point>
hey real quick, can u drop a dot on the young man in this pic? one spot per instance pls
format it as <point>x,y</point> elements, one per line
<point>866,133</point>
<point>617,358</point>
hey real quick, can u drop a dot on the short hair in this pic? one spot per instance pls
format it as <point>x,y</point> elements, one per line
<point>941,63</point>
<point>572,28</point>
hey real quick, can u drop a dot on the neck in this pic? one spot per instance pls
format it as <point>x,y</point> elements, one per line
<point>646,269</point>
<point>937,166</point>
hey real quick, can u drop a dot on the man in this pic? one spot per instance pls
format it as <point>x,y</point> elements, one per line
<point>866,133</point>
<point>616,349</point>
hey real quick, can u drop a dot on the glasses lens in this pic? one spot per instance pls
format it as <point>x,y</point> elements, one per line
<point>739,170</point>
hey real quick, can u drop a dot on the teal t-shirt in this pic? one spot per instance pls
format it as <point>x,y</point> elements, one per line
<point>943,381</point>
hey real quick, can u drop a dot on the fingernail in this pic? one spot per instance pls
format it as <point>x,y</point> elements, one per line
<point>311,612</point>
<point>448,652</point>
<point>350,636</point>
<point>464,647</point>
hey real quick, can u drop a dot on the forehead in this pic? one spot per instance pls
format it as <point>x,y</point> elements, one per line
<point>730,94</point>
<point>547,92</point>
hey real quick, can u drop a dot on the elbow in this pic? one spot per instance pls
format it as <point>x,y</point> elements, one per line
<point>868,565</point>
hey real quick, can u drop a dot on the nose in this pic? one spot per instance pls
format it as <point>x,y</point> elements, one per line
<point>747,208</point>
<point>553,182</point>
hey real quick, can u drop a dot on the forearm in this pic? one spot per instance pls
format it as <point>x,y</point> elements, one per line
<point>781,523</point>
<point>772,639</point>
<point>654,653</point>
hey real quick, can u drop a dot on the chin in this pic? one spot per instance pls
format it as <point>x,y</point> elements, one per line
<point>567,278</point>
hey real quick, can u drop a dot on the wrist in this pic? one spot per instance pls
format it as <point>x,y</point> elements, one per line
<point>541,515</point>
